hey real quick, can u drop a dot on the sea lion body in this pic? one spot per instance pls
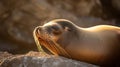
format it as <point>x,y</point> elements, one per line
<point>98,44</point>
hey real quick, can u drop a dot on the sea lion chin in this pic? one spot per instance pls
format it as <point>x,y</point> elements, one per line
<point>97,45</point>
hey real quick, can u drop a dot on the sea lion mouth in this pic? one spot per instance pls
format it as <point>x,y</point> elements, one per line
<point>43,39</point>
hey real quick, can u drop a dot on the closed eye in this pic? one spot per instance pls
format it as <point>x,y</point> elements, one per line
<point>55,27</point>
<point>56,30</point>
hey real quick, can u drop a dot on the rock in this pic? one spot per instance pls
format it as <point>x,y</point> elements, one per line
<point>79,7</point>
<point>37,59</point>
<point>4,56</point>
<point>116,4</point>
<point>111,9</point>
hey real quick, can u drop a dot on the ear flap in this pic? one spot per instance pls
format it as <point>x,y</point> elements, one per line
<point>67,29</point>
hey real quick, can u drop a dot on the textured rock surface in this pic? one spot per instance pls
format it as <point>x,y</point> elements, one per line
<point>4,56</point>
<point>19,18</point>
<point>111,9</point>
<point>37,59</point>
<point>116,4</point>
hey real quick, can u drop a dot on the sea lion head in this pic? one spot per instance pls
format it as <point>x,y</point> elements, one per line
<point>56,35</point>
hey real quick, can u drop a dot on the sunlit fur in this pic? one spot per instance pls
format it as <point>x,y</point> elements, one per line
<point>98,44</point>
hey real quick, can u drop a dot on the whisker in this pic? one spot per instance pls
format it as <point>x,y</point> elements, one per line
<point>53,49</point>
<point>58,48</point>
<point>37,42</point>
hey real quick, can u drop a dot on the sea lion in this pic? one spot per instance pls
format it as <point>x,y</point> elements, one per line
<point>97,45</point>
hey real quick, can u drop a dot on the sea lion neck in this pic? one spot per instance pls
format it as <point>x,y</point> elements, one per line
<point>83,34</point>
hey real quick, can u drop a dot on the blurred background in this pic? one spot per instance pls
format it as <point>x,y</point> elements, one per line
<point>18,18</point>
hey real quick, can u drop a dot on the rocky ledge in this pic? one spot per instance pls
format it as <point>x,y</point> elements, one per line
<point>39,59</point>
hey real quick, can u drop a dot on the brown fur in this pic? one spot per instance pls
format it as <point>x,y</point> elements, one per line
<point>98,45</point>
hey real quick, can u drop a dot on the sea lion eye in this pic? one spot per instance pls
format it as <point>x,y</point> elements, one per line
<point>55,30</point>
